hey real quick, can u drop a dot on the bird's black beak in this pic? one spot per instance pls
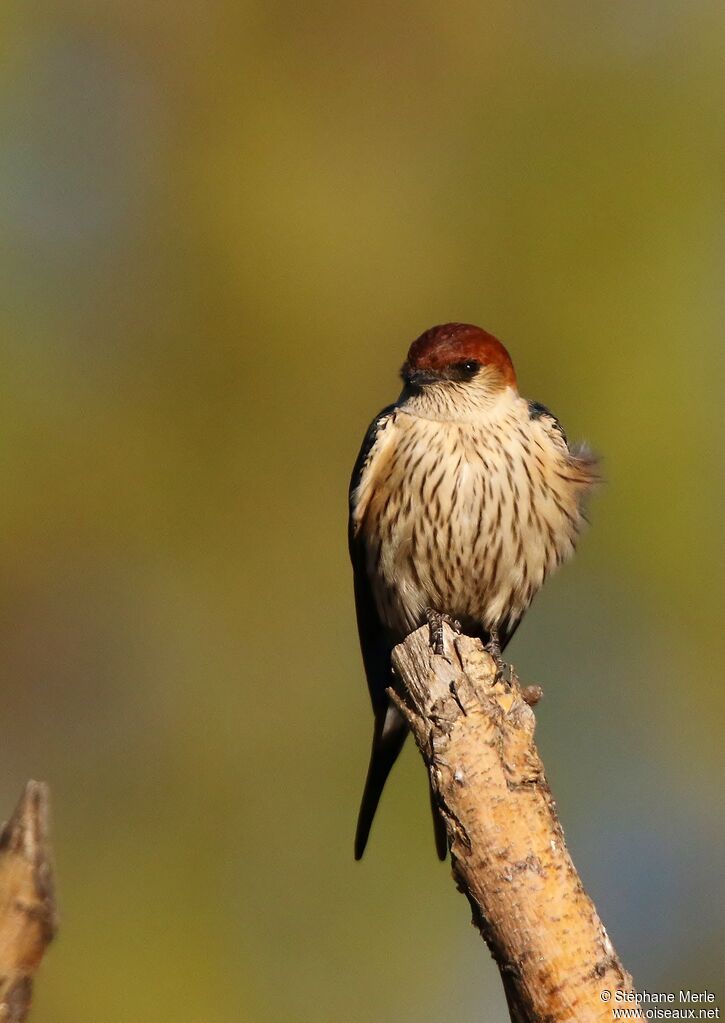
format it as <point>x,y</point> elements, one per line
<point>417,377</point>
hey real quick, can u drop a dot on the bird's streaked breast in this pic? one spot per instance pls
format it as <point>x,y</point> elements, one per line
<point>468,517</point>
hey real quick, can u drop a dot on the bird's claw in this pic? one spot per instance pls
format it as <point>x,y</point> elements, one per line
<point>436,621</point>
<point>493,647</point>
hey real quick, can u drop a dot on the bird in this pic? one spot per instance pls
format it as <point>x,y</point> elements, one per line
<point>463,498</point>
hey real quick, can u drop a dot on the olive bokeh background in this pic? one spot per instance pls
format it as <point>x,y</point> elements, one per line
<point>221,225</point>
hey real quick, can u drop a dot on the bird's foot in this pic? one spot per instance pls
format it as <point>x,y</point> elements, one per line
<point>436,621</point>
<point>493,647</point>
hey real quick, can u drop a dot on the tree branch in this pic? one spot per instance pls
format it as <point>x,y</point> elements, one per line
<point>508,852</point>
<point>27,903</point>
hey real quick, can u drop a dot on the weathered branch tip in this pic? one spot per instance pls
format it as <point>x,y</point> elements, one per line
<point>475,732</point>
<point>28,917</point>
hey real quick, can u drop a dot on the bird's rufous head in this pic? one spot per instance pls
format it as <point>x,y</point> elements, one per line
<point>459,352</point>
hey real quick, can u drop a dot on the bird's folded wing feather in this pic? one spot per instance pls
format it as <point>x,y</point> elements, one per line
<point>374,643</point>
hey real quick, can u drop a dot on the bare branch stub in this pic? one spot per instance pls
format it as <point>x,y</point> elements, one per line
<point>475,732</point>
<point>28,918</point>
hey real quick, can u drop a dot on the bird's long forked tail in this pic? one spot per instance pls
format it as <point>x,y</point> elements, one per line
<point>388,738</point>
<point>439,826</point>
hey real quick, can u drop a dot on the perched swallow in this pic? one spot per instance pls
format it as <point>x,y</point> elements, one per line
<point>463,498</point>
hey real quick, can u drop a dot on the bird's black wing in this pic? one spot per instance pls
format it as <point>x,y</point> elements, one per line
<point>374,643</point>
<point>390,728</point>
<point>539,411</point>
<point>581,455</point>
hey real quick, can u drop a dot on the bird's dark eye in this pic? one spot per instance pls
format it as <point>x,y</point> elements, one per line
<point>468,368</point>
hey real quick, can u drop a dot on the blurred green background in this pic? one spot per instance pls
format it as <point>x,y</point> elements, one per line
<point>221,224</point>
